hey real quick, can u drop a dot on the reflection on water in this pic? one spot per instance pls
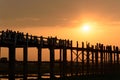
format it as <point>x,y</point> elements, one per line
<point>31,76</point>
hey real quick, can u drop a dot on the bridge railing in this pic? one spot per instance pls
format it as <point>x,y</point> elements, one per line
<point>9,36</point>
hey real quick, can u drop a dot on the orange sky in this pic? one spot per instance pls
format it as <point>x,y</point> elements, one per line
<point>64,19</point>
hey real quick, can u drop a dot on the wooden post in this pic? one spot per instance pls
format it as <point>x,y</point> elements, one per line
<point>25,65</point>
<point>110,48</point>
<point>104,54</point>
<point>107,60</point>
<point>11,62</point>
<point>64,60</point>
<point>117,55</point>
<point>104,59</point>
<point>114,62</point>
<point>77,60</point>
<point>101,58</point>
<point>88,59</point>
<point>114,54</point>
<point>52,63</point>
<point>25,58</point>
<point>96,58</point>
<point>40,57</point>
<point>117,52</point>
<point>61,60</point>
<point>93,60</point>
<point>39,62</point>
<point>110,60</point>
<point>71,60</point>
<point>83,58</point>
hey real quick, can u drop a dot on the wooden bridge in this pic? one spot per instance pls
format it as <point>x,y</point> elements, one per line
<point>87,60</point>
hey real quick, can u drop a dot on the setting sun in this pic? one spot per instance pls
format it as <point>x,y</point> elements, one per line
<point>86,28</point>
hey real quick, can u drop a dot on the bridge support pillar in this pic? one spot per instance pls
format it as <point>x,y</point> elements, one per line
<point>25,65</point>
<point>118,65</point>
<point>101,58</point>
<point>52,63</point>
<point>83,58</point>
<point>117,55</point>
<point>93,60</point>
<point>71,63</point>
<point>77,56</point>
<point>64,62</point>
<point>39,62</point>
<point>88,58</point>
<point>11,63</point>
<point>111,57</point>
<point>96,59</point>
<point>60,63</point>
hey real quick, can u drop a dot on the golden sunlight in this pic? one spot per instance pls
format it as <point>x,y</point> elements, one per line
<point>86,28</point>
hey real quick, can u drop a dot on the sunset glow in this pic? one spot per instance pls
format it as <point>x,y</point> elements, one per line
<point>97,22</point>
<point>86,28</point>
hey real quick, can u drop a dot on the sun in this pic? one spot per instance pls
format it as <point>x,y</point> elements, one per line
<point>86,28</point>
